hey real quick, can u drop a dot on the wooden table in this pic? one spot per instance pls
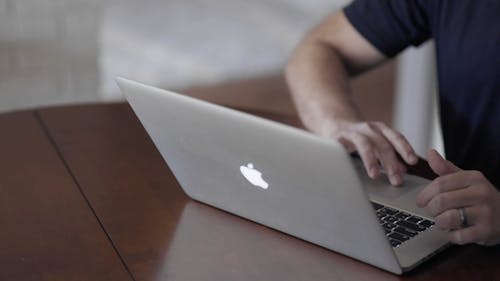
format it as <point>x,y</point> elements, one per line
<point>84,195</point>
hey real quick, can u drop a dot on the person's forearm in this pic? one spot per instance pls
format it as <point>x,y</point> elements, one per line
<point>319,84</point>
<point>318,76</point>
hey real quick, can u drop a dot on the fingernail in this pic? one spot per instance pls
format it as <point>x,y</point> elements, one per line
<point>373,173</point>
<point>413,158</point>
<point>419,204</point>
<point>418,201</point>
<point>396,179</point>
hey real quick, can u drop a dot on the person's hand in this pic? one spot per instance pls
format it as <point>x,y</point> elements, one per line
<point>377,145</point>
<point>470,190</point>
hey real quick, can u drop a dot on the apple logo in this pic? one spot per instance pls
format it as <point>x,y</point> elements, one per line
<point>253,176</point>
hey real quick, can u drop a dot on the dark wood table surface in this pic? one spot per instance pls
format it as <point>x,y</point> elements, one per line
<point>85,195</point>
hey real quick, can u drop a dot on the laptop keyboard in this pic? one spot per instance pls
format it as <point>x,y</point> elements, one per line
<point>400,226</point>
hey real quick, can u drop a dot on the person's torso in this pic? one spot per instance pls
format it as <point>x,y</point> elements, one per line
<point>467,34</point>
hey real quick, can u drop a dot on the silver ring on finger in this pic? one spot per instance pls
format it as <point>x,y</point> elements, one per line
<point>464,222</point>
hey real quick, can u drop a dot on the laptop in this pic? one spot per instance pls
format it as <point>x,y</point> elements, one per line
<point>287,179</point>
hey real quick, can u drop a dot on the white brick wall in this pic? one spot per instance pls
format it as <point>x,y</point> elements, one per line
<point>48,52</point>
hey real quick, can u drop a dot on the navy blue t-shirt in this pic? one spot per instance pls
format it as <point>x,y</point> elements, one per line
<point>467,35</point>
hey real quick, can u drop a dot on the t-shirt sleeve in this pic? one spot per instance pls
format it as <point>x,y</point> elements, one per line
<point>390,25</point>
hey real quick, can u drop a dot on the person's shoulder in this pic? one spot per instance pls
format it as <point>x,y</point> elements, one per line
<point>391,25</point>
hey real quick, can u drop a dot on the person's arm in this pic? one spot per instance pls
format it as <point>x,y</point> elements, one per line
<point>318,75</point>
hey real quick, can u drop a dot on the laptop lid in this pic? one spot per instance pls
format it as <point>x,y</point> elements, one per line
<point>270,173</point>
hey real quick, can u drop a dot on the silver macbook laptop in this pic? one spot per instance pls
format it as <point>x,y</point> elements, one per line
<point>287,179</point>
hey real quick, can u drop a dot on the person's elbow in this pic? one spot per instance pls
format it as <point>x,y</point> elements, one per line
<point>295,62</point>
<point>304,57</point>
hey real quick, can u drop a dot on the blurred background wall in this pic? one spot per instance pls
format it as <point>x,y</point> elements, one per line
<point>179,43</point>
<point>60,51</point>
<point>49,52</point>
<point>226,51</point>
